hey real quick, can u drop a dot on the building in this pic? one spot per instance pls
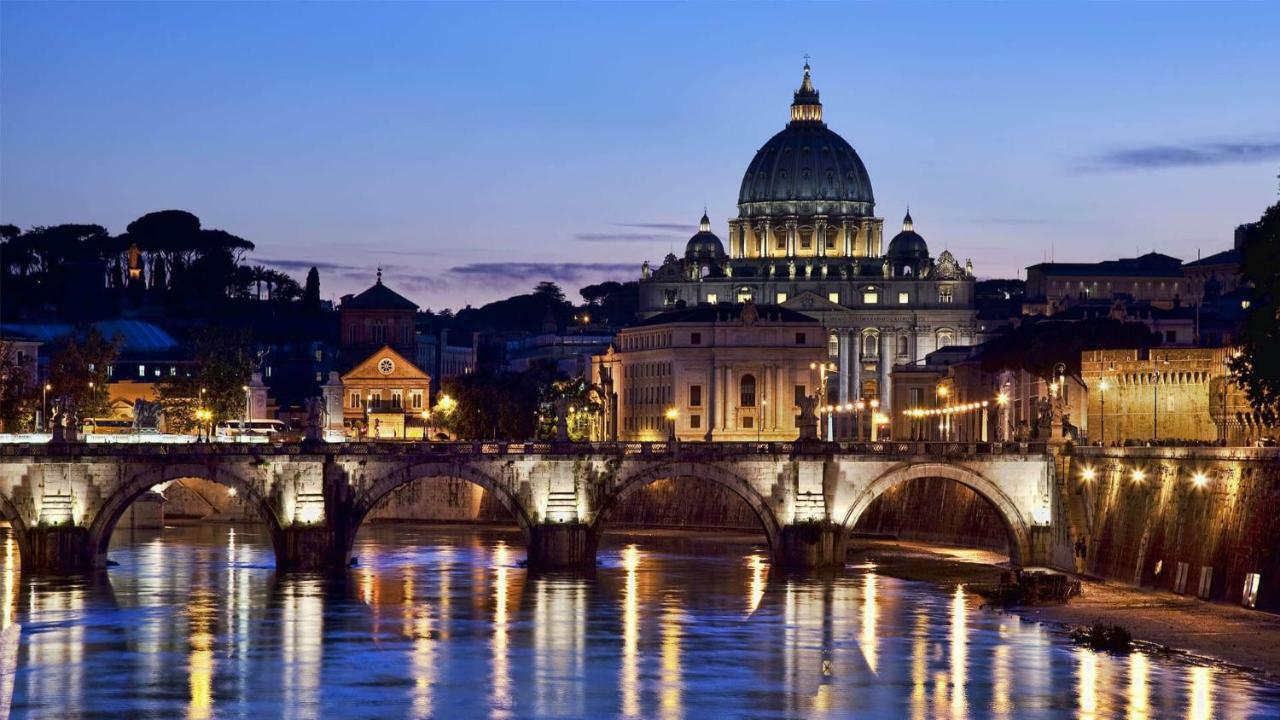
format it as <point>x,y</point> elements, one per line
<point>376,318</point>
<point>569,352</point>
<point>806,237</point>
<point>441,360</point>
<point>1154,278</point>
<point>712,372</point>
<point>386,396</point>
<point>1167,395</point>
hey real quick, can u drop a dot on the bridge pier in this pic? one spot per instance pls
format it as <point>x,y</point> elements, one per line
<point>810,546</point>
<point>58,549</point>
<point>562,546</point>
<point>310,548</point>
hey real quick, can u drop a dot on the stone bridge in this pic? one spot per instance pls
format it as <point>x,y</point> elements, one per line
<point>63,501</point>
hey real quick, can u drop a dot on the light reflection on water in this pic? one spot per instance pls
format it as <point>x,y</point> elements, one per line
<point>445,623</point>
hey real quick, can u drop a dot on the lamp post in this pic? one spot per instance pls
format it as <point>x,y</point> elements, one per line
<point>945,425</point>
<point>245,388</point>
<point>1002,400</point>
<point>764,408</point>
<point>859,406</point>
<point>672,414</point>
<point>44,407</point>
<point>1103,385</point>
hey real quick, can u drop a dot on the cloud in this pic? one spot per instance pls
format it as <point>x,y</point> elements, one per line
<point>556,272</point>
<point>1160,157</point>
<point>674,227</point>
<point>623,237</point>
<point>302,265</point>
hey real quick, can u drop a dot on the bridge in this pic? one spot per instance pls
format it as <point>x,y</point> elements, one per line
<point>63,501</point>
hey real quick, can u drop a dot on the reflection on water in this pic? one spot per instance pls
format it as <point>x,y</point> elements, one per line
<point>195,623</point>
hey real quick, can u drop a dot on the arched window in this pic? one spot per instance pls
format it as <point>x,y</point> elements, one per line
<point>871,345</point>
<point>902,344</point>
<point>747,394</point>
<point>833,346</point>
<point>946,336</point>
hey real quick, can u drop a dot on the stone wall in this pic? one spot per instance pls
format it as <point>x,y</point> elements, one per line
<point>1216,508</point>
<point>935,510</point>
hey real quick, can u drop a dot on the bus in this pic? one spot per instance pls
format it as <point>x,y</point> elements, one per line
<point>108,426</point>
<point>247,429</point>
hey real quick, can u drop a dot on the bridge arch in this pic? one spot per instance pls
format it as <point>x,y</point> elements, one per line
<point>113,508</point>
<point>367,500</point>
<point>17,526</point>
<point>1016,528</point>
<point>634,481</point>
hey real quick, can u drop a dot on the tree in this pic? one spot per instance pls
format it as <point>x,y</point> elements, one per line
<point>311,292</point>
<point>78,373</point>
<point>550,291</point>
<point>224,365</point>
<point>1037,347</point>
<point>1257,367</point>
<point>17,392</point>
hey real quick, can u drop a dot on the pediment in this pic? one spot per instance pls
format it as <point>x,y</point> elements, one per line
<point>809,301</point>
<point>385,364</point>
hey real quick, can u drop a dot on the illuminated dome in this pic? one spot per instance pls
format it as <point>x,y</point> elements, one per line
<point>704,245</point>
<point>908,245</point>
<point>807,169</point>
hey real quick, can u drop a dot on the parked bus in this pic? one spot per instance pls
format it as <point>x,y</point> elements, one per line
<point>108,426</point>
<point>232,429</point>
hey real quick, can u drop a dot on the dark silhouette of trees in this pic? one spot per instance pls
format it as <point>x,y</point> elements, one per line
<point>224,365</point>
<point>311,292</point>
<point>1257,368</point>
<point>18,393</point>
<point>78,372</point>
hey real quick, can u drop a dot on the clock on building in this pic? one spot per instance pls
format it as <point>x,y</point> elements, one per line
<point>386,366</point>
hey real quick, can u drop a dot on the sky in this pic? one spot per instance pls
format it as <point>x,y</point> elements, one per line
<point>473,150</point>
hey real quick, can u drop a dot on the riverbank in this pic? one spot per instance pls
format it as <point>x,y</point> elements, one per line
<point>1247,639</point>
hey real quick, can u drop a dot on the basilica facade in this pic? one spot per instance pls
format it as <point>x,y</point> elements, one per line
<point>806,237</point>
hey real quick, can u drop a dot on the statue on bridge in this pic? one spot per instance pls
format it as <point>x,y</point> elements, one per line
<point>807,422</point>
<point>66,423</point>
<point>317,418</point>
<point>146,415</point>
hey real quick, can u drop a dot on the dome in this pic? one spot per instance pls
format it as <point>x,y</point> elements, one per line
<point>807,167</point>
<point>704,245</point>
<point>908,245</point>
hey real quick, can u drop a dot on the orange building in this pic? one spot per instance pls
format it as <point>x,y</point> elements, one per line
<point>386,395</point>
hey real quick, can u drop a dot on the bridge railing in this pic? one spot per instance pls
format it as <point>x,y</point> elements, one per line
<point>888,449</point>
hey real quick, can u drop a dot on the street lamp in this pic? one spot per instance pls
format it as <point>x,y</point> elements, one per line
<point>860,406</point>
<point>764,407</point>
<point>245,388</point>
<point>44,407</point>
<point>672,414</point>
<point>1103,386</point>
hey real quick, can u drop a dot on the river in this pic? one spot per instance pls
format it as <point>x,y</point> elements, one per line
<point>444,622</point>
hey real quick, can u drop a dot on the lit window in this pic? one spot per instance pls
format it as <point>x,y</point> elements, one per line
<point>903,298</point>
<point>268,372</point>
<point>397,398</point>
<point>355,399</point>
<point>834,297</point>
<point>744,295</point>
<point>782,297</point>
<point>416,399</point>
<point>747,391</point>
<point>142,370</point>
<point>944,295</point>
<point>712,298</point>
<point>871,297</point>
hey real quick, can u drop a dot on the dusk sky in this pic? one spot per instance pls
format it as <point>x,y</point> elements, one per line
<point>474,150</point>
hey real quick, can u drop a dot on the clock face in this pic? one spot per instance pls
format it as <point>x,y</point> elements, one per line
<point>386,366</point>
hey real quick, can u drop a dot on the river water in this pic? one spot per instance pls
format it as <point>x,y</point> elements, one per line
<point>194,623</point>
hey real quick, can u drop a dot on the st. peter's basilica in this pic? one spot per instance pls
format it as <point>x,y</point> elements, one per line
<point>807,238</point>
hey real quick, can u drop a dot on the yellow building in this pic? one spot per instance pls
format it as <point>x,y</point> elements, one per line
<point>386,395</point>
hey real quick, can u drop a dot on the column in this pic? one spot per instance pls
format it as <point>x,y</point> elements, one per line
<point>792,231</point>
<point>886,364</point>
<point>766,242</point>
<point>855,335</point>
<point>820,236</point>
<point>845,244</point>
<point>713,397</point>
<point>842,337</point>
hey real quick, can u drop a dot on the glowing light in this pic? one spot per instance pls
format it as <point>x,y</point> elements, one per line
<point>1104,386</point>
<point>1002,398</point>
<point>1087,474</point>
<point>1138,475</point>
<point>672,413</point>
<point>1200,479</point>
<point>231,492</point>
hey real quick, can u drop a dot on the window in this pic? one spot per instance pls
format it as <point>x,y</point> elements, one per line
<point>380,333</point>
<point>397,399</point>
<point>902,345</point>
<point>804,242</point>
<point>944,295</point>
<point>744,295</point>
<point>833,346</point>
<point>712,298</point>
<point>1252,582</point>
<point>415,399</point>
<point>355,399</point>
<point>870,297</point>
<point>695,396</point>
<point>903,298</point>
<point>375,400</point>
<point>268,372</point>
<point>695,421</point>
<point>800,339</point>
<point>871,345</point>
<point>946,336</point>
<point>748,422</point>
<point>831,242</point>
<point>800,394</point>
<point>319,355</point>
<point>142,371</point>
<point>782,297</point>
<point>834,297</point>
<point>1170,336</point>
<point>747,391</point>
<point>782,243</point>
<point>917,397</point>
<point>695,338</point>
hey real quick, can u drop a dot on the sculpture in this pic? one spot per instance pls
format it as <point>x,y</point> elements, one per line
<point>146,415</point>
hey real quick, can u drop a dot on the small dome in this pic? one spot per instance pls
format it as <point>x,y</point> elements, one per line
<point>704,245</point>
<point>908,245</point>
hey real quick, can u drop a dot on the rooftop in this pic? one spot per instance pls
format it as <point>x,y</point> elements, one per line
<point>1153,264</point>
